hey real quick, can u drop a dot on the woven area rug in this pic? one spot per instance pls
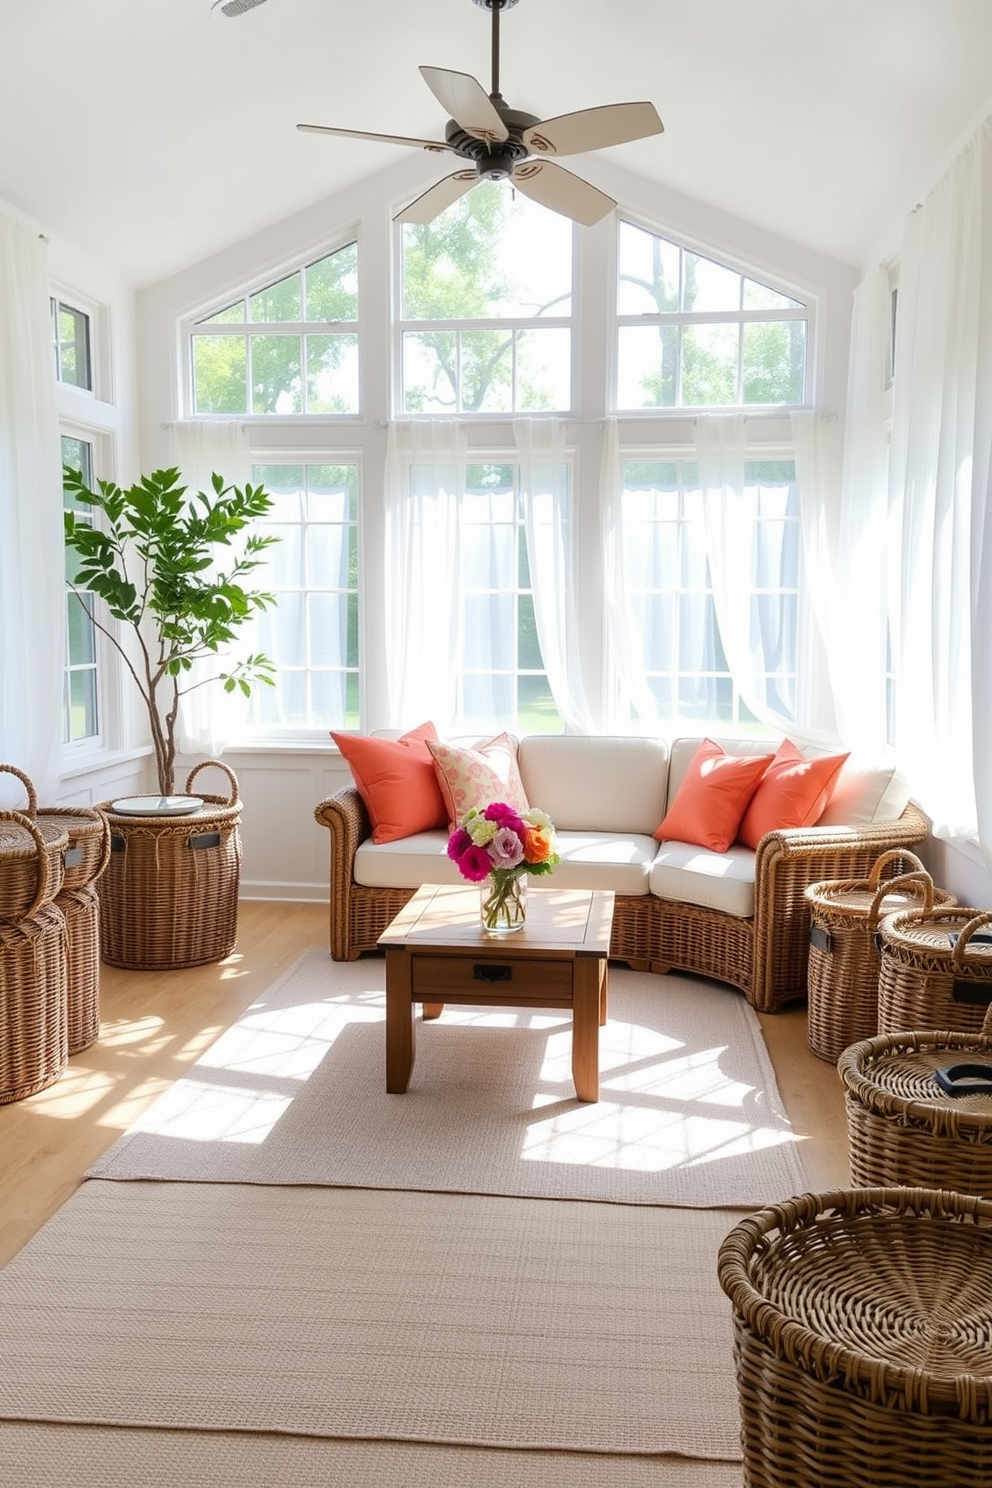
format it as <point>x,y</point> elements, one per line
<point>357,1314</point>
<point>294,1093</point>
<point>35,1455</point>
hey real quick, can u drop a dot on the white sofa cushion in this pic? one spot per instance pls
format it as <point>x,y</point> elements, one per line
<point>589,860</point>
<point>620,861</point>
<point>405,864</point>
<point>867,790</point>
<point>599,784</point>
<point>694,875</point>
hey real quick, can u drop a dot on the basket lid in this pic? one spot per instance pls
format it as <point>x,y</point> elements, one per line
<point>898,1070</point>
<point>16,842</point>
<point>950,932</point>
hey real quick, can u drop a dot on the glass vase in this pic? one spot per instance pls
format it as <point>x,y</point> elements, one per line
<point>503,903</point>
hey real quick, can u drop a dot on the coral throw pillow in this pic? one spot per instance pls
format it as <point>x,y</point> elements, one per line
<point>475,777</point>
<point>713,797</point>
<point>793,792</point>
<point>396,780</point>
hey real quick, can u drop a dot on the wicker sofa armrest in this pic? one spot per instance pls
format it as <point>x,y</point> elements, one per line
<point>787,862</point>
<point>345,817</point>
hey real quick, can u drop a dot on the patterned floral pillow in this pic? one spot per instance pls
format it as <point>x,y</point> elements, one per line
<point>474,777</point>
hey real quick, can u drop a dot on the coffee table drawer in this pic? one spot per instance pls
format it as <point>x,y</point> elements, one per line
<point>433,976</point>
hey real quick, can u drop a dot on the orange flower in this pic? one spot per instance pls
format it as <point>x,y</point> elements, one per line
<point>537,845</point>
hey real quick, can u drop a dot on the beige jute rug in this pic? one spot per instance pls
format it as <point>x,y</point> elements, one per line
<point>38,1455</point>
<point>688,1115</point>
<point>458,1321</point>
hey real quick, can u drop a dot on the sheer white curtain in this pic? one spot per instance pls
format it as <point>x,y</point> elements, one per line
<point>32,563</point>
<point>857,639</point>
<point>820,640</point>
<point>621,551</point>
<point>424,486</point>
<point>739,564</point>
<point>550,553</point>
<point>939,495</point>
<point>209,717</point>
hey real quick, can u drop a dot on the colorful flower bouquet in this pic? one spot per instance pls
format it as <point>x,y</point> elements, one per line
<point>499,848</point>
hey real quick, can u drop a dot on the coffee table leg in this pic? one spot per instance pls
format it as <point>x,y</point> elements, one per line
<point>433,1010</point>
<point>588,976</point>
<point>400,1049</point>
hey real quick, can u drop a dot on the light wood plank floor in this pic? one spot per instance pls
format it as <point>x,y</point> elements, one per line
<point>154,1025</point>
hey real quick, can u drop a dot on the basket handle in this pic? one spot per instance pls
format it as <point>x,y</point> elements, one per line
<point>32,809</point>
<point>894,855</point>
<point>912,881</point>
<point>219,764</point>
<point>105,848</point>
<point>32,826</point>
<point>966,932</point>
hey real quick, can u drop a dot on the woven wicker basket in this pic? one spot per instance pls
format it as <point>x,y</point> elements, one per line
<point>81,908</point>
<point>33,1003</point>
<point>863,1340</point>
<point>87,830</point>
<point>169,895</point>
<point>903,1127</point>
<point>934,972</point>
<point>842,978</point>
<point>32,858</point>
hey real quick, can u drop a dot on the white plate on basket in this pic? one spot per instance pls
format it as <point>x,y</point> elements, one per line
<point>157,805</point>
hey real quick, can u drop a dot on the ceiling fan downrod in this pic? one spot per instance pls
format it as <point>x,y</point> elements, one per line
<point>496,6</point>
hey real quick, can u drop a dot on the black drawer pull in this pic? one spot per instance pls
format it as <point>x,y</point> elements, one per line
<point>820,938</point>
<point>490,973</point>
<point>978,994</point>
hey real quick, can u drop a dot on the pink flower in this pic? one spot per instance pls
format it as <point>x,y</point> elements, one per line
<point>458,844</point>
<point>506,849</point>
<point>474,864</point>
<point>505,816</point>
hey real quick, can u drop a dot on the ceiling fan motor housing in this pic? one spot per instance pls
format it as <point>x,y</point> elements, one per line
<point>494,159</point>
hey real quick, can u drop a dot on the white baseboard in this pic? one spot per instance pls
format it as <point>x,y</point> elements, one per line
<point>296,893</point>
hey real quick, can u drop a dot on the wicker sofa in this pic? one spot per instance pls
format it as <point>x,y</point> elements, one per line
<point>739,917</point>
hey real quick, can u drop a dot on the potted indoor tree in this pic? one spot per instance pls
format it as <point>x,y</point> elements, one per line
<point>153,554</point>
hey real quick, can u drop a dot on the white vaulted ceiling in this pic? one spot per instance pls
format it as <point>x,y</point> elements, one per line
<point>150,133</point>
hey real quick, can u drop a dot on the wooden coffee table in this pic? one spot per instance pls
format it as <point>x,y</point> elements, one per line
<point>436,953</point>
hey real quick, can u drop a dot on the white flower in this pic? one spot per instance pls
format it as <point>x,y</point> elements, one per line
<point>538,818</point>
<point>481,831</point>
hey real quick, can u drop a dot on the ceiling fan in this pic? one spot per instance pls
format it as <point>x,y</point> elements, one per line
<point>504,144</point>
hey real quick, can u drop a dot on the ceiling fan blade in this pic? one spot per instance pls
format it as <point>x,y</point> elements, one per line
<point>386,139</point>
<point>593,129</point>
<point>466,101</point>
<point>555,187</point>
<point>438,197</point>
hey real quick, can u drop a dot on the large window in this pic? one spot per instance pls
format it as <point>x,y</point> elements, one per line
<point>486,308</point>
<point>80,709</point>
<point>676,628</point>
<point>312,632</point>
<point>287,348</point>
<point>695,333</point>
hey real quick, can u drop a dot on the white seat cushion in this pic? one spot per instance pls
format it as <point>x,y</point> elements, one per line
<point>406,864</point>
<point>620,861</point>
<point>589,860</point>
<point>694,875</point>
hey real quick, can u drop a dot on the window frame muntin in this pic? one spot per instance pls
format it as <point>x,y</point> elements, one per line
<point>808,311</point>
<point>191,325</point>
